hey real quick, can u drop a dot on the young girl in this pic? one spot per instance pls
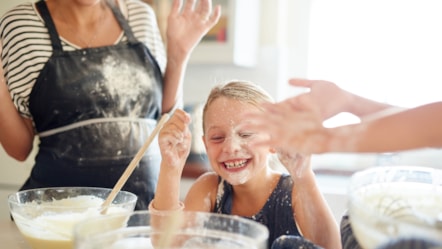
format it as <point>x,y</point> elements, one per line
<point>242,182</point>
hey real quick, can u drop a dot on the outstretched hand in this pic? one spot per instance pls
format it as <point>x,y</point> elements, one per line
<point>329,97</point>
<point>188,23</point>
<point>294,125</point>
<point>297,122</point>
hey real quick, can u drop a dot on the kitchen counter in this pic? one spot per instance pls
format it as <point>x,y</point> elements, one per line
<point>10,237</point>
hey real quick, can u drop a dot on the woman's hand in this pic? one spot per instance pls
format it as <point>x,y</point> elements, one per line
<point>329,97</point>
<point>294,124</point>
<point>188,24</point>
<point>175,140</point>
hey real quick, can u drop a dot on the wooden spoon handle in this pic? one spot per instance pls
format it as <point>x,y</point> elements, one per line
<point>130,168</point>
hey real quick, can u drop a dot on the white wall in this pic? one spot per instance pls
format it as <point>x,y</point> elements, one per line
<point>7,4</point>
<point>271,66</point>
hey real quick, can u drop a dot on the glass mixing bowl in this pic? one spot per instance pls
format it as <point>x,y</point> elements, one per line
<point>182,229</point>
<point>396,202</point>
<point>46,216</point>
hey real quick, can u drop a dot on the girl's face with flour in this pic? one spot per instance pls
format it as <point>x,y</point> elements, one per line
<point>227,144</point>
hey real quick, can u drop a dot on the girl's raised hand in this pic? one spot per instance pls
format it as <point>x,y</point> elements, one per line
<point>175,140</point>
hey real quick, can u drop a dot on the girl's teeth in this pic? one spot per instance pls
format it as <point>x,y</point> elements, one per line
<point>237,164</point>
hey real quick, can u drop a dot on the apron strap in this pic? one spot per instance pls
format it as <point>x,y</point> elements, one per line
<point>123,22</point>
<point>49,23</point>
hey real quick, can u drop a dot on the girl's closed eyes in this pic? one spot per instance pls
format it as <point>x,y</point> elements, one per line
<point>241,135</point>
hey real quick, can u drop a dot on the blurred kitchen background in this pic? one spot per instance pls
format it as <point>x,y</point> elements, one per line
<point>388,50</point>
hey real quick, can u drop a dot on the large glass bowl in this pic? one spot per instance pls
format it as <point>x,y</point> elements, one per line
<point>182,229</point>
<point>397,202</point>
<point>46,216</point>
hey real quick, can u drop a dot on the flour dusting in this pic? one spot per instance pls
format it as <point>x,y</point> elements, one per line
<point>124,83</point>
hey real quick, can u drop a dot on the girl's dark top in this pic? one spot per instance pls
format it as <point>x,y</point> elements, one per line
<point>276,214</point>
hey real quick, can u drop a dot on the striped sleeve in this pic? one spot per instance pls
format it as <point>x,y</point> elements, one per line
<point>26,49</point>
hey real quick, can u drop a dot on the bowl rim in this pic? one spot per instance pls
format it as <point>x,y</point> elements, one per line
<point>384,169</point>
<point>262,238</point>
<point>395,167</point>
<point>12,198</point>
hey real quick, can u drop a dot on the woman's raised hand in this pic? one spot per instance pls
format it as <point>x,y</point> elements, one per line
<point>188,22</point>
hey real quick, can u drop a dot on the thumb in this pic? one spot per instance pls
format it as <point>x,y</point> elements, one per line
<point>299,82</point>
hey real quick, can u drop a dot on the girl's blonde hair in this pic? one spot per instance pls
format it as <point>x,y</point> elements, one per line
<point>244,91</point>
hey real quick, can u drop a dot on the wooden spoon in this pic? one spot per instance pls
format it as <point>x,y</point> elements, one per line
<point>130,168</point>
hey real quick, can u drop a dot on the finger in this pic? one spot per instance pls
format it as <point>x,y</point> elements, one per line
<point>300,82</point>
<point>214,18</point>
<point>256,121</point>
<point>203,8</point>
<point>268,120</point>
<point>178,135</point>
<point>173,135</point>
<point>278,112</point>
<point>175,9</point>
<point>189,6</point>
<point>297,102</point>
<point>265,124</point>
<point>182,115</point>
<point>271,108</point>
<point>187,134</point>
<point>177,127</point>
<point>179,121</point>
<point>262,142</point>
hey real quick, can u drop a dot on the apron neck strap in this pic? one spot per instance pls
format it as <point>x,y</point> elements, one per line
<point>124,24</point>
<point>44,12</point>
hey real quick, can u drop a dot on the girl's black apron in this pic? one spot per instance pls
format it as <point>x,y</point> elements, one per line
<point>93,109</point>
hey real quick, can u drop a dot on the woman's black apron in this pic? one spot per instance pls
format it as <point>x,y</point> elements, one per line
<point>93,109</point>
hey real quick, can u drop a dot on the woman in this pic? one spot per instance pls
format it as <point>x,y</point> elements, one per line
<point>89,78</point>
